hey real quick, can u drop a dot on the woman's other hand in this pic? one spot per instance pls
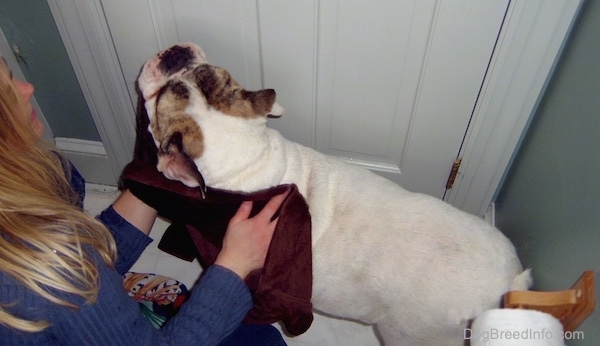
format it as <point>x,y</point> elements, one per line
<point>247,239</point>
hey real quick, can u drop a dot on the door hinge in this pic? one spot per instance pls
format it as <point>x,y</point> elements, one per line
<point>453,173</point>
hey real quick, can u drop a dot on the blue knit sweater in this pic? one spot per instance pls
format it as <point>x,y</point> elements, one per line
<point>217,305</point>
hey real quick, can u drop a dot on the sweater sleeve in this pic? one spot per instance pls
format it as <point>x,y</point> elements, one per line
<point>130,241</point>
<point>216,307</point>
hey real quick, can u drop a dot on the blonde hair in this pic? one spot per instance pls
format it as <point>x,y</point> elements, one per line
<point>44,236</point>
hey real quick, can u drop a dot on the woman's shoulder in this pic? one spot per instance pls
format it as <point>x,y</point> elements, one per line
<point>21,301</point>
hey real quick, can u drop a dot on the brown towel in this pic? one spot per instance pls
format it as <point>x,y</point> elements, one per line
<point>282,289</point>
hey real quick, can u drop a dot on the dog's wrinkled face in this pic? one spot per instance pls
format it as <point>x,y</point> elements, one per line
<point>178,85</point>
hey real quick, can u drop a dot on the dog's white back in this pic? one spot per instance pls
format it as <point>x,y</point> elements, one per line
<point>417,267</point>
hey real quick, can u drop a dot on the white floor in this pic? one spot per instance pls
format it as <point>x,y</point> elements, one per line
<point>324,331</point>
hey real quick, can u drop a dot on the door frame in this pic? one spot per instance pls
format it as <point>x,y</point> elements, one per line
<point>88,156</point>
<point>533,35</point>
<point>88,43</point>
<point>528,49</point>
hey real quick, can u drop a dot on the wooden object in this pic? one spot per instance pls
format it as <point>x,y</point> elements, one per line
<point>570,307</point>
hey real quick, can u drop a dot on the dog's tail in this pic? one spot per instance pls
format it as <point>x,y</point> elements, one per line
<point>522,282</point>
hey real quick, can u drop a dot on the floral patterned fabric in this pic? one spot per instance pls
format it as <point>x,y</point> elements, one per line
<point>159,297</point>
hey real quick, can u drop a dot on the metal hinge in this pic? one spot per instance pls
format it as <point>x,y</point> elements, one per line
<point>453,173</point>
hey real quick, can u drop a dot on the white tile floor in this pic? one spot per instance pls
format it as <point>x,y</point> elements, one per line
<point>324,331</point>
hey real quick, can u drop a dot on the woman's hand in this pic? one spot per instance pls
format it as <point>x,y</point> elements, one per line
<point>247,239</point>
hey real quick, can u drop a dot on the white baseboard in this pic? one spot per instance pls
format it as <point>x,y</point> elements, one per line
<point>490,214</point>
<point>90,158</point>
<point>101,188</point>
<point>80,146</point>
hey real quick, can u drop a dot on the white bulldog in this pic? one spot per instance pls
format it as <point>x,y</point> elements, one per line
<point>413,265</point>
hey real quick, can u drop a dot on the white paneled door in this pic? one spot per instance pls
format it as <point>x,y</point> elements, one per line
<point>399,87</point>
<point>390,85</point>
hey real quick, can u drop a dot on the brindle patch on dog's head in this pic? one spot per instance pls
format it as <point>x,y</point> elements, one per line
<point>171,117</point>
<point>179,137</point>
<point>184,56</point>
<point>167,64</point>
<point>225,94</point>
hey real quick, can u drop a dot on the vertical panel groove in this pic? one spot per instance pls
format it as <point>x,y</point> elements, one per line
<point>315,85</point>
<point>260,47</point>
<point>159,31</point>
<point>415,104</point>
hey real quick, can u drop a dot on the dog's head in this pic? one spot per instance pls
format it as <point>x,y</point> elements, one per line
<point>181,92</point>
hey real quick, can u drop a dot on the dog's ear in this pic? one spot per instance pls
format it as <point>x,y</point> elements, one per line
<point>176,164</point>
<point>263,103</point>
<point>226,95</point>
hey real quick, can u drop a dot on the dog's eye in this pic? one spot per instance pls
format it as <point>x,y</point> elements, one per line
<point>161,91</point>
<point>174,88</point>
<point>180,89</point>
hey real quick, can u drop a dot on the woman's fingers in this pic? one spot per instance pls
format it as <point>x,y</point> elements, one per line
<point>243,213</point>
<point>273,206</point>
<point>268,211</point>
